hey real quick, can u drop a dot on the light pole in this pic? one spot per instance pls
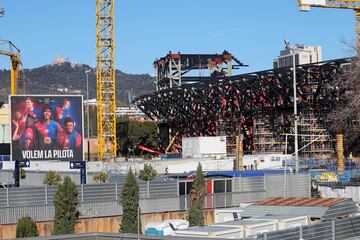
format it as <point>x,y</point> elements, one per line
<point>293,53</point>
<point>297,163</point>
<point>87,114</point>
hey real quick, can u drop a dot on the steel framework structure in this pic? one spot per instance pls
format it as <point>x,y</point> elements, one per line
<point>175,68</point>
<point>225,105</point>
<point>105,79</point>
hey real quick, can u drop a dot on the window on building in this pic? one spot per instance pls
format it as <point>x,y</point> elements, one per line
<point>185,188</point>
<point>188,187</point>
<point>222,186</point>
<point>228,185</point>
<point>182,188</point>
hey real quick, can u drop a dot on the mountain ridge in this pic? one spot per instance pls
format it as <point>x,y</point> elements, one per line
<point>70,79</point>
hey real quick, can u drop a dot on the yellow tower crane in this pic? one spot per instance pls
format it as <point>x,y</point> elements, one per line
<point>305,5</point>
<point>15,63</point>
<point>105,80</point>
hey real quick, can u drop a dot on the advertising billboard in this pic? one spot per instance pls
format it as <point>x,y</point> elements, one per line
<point>46,127</point>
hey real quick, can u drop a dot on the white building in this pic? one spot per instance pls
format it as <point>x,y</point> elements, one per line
<point>4,124</point>
<point>132,110</point>
<point>303,55</point>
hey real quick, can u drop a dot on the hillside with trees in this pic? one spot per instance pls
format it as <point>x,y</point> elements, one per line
<point>67,78</point>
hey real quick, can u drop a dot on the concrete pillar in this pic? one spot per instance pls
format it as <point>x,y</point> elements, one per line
<point>340,152</point>
<point>239,165</point>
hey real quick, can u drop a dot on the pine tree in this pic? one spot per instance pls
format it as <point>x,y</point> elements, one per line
<point>66,204</point>
<point>148,173</point>
<point>52,178</point>
<point>26,227</point>
<point>129,200</point>
<point>198,193</point>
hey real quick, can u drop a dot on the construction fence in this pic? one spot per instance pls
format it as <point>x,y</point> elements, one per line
<point>103,199</point>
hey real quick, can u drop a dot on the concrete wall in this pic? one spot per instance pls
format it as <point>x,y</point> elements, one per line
<point>104,224</point>
<point>161,166</point>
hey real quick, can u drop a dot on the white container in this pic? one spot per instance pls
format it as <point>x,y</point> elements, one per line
<point>227,214</point>
<point>251,227</point>
<point>158,229</point>
<point>197,147</point>
<point>211,232</point>
<point>293,222</point>
<point>265,161</point>
<point>178,224</point>
<point>285,222</point>
<point>254,229</point>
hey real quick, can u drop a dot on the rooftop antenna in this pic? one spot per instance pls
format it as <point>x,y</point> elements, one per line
<point>287,44</point>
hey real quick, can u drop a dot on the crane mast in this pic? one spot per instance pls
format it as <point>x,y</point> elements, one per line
<point>15,63</point>
<point>305,5</point>
<point>105,80</point>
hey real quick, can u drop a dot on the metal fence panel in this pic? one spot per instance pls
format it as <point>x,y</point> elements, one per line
<point>163,189</point>
<point>347,228</point>
<point>3,197</point>
<point>99,192</point>
<point>143,191</point>
<point>27,196</point>
<point>247,197</point>
<point>299,185</point>
<point>335,229</point>
<point>252,184</point>
<point>159,205</point>
<point>98,209</point>
<point>36,212</point>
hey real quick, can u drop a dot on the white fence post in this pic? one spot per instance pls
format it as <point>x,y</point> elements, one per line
<point>333,229</point>
<point>300,233</point>
<point>225,197</point>
<point>7,197</point>
<point>46,194</point>
<point>148,188</point>
<point>116,192</point>
<point>82,192</point>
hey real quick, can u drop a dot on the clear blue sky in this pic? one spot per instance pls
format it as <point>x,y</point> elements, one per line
<point>146,29</point>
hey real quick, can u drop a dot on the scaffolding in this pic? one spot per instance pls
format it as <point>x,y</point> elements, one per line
<point>311,126</point>
<point>265,139</point>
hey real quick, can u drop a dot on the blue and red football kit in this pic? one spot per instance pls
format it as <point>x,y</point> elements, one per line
<point>60,115</point>
<point>28,134</point>
<point>72,140</point>
<point>35,113</point>
<point>50,134</point>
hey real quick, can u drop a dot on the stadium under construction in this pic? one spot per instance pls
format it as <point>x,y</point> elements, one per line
<point>257,106</point>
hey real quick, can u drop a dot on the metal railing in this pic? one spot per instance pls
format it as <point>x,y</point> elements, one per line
<point>334,229</point>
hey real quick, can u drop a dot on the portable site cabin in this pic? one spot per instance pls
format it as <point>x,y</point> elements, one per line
<point>211,232</point>
<point>286,222</point>
<point>251,227</point>
<point>229,214</point>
